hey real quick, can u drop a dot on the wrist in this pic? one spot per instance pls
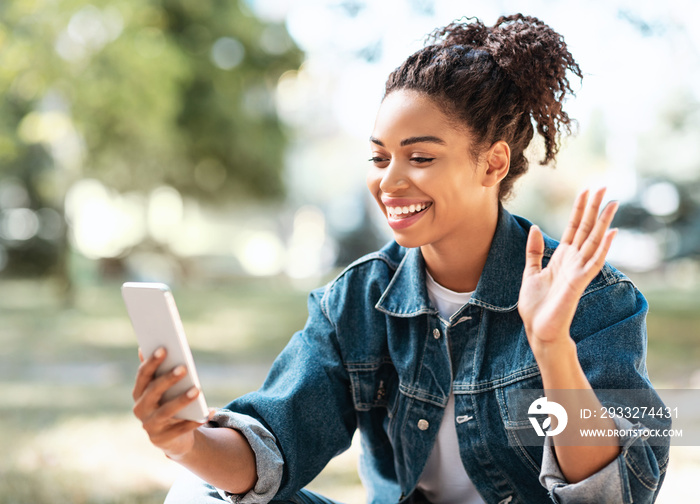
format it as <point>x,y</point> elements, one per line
<point>552,348</point>
<point>553,357</point>
<point>559,365</point>
<point>180,451</point>
<point>176,456</point>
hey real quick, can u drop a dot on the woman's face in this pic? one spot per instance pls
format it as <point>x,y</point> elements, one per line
<point>423,176</point>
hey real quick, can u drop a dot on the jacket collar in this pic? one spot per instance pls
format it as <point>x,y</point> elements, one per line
<point>498,287</point>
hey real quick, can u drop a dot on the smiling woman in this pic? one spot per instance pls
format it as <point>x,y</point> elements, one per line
<point>421,158</point>
<point>424,346</point>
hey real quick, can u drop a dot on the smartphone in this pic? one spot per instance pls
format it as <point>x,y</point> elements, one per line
<point>157,323</point>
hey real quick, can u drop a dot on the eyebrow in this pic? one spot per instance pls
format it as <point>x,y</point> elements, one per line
<point>412,140</point>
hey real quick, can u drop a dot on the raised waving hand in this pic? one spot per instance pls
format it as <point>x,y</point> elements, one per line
<point>549,296</point>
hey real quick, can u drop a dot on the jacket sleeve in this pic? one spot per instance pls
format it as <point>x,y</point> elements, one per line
<point>304,405</point>
<point>268,459</point>
<point>610,333</point>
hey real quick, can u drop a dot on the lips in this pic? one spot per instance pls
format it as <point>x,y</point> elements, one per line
<point>402,213</point>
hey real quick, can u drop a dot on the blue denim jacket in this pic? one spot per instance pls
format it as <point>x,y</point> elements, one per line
<point>376,356</point>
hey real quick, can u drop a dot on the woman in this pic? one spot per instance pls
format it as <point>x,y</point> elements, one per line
<point>424,345</point>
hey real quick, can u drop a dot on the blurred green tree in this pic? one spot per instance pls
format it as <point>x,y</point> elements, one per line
<point>140,93</point>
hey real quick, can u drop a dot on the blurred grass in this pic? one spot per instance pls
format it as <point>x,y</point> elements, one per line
<point>673,327</point>
<point>66,429</point>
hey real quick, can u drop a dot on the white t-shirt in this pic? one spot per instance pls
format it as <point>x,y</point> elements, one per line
<point>444,479</point>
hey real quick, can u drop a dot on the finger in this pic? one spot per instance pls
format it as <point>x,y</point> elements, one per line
<point>152,397</point>
<point>141,355</point>
<point>147,371</point>
<point>160,385</point>
<point>534,250</point>
<point>598,259</point>
<point>589,218</point>
<point>594,240</point>
<point>575,217</point>
<point>170,408</point>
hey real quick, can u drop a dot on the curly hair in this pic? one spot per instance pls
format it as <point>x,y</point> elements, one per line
<point>497,81</point>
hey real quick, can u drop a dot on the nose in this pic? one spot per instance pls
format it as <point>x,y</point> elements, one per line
<point>393,178</point>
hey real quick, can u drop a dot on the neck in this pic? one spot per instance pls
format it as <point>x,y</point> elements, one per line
<point>456,262</point>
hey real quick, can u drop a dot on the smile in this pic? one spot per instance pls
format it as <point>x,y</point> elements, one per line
<point>405,212</point>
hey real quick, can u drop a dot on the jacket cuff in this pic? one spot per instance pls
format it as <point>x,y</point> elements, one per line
<point>268,458</point>
<point>608,485</point>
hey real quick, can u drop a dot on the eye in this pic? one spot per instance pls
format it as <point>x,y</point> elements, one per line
<point>421,160</point>
<point>378,160</point>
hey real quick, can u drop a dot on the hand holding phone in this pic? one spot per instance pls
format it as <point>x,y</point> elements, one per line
<point>157,323</point>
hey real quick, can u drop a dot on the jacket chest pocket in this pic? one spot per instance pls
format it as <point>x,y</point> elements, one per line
<point>514,401</point>
<point>374,385</point>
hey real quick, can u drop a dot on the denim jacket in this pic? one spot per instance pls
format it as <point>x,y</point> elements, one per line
<point>376,356</point>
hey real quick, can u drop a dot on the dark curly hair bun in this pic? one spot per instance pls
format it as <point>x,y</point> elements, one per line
<point>497,80</point>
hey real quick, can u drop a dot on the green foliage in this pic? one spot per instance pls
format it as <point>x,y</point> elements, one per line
<point>137,84</point>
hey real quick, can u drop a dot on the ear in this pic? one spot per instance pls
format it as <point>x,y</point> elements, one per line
<point>497,163</point>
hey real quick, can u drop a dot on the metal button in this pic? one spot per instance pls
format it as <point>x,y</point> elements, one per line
<point>423,424</point>
<point>436,333</point>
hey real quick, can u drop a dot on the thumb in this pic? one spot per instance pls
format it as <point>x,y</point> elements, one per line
<point>534,250</point>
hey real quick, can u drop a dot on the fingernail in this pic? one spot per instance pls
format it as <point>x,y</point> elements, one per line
<point>179,371</point>
<point>159,352</point>
<point>192,392</point>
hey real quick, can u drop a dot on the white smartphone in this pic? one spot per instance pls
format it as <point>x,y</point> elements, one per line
<point>157,323</point>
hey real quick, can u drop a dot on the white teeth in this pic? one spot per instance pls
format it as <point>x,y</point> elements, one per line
<point>394,211</point>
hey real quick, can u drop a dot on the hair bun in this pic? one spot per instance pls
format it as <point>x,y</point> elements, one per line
<point>533,56</point>
<point>501,81</point>
<point>530,51</point>
<point>527,49</point>
<point>472,33</point>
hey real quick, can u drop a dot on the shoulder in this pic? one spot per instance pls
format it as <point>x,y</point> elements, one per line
<point>365,279</point>
<point>388,257</point>
<point>607,276</point>
<point>609,299</point>
<point>611,295</point>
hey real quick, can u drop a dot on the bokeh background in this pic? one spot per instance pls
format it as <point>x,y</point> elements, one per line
<point>221,147</point>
